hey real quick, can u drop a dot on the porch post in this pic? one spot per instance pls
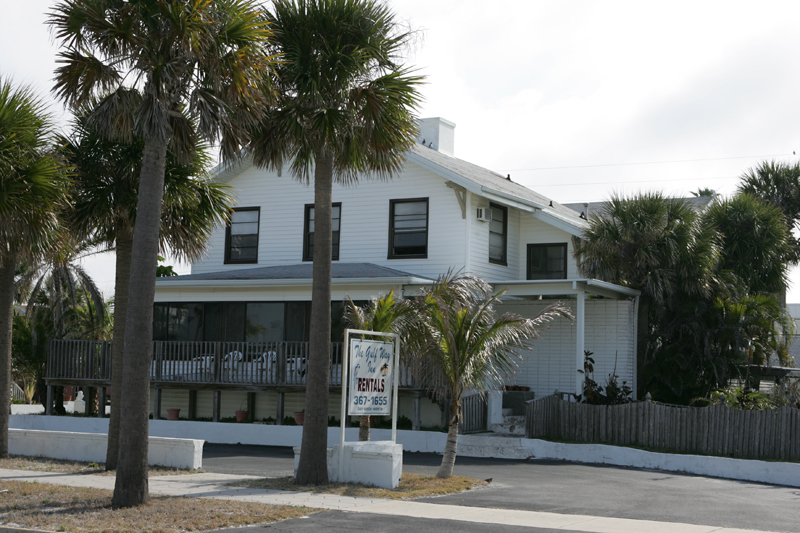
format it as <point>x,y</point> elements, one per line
<point>251,406</point>
<point>580,325</point>
<point>157,406</point>
<point>101,402</point>
<point>48,410</point>
<point>279,409</point>
<point>216,406</point>
<point>416,423</point>
<point>192,404</point>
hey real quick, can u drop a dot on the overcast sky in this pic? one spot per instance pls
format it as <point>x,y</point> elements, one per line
<point>576,100</point>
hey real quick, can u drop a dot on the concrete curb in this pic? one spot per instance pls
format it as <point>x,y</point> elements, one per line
<point>777,473</point>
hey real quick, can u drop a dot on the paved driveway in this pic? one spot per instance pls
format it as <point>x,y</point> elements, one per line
<point>569,488</point>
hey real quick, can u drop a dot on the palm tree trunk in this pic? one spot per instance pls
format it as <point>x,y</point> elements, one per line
<point>6,316</point>
<point>131,487</point>
<point>363,428</point>
<point>313,467</point>
<point>122,278</point>
<point>451,448</point>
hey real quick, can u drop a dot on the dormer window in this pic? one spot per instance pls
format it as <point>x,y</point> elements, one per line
<point>241,236</point>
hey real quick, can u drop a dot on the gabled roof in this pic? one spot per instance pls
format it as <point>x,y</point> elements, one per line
<point>596,208</point>
<point>492,185</point>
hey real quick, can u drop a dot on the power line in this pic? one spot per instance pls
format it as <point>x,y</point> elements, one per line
<point>537,185</point>
<point>651,162</point>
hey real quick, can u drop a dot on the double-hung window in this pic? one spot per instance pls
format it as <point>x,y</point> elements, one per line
<point>547,261</point>
<point>241,236</point>
<point>308,232</point>
<point>498,235</point>
<point>408,228</point>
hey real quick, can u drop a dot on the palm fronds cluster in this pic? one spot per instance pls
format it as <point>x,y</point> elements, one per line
<point>454,341</point>
<point>711,279</point>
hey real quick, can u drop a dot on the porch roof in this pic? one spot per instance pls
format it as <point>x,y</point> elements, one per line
<point>302,274</point>
<point>554,287</point>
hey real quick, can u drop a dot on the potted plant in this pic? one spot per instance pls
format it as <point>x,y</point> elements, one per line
<point>172,414</point>
<point>299,416</point>
<point>241,414</point>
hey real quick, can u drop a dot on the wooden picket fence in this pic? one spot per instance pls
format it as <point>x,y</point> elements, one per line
<point>716,430</point>
<point>474,411</point>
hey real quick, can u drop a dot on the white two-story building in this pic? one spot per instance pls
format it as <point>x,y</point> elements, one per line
<point>439,213</point>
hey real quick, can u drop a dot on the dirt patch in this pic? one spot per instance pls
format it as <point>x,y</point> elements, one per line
<point>411,486</point>
<point>42,464</point>
<point>57,508</point>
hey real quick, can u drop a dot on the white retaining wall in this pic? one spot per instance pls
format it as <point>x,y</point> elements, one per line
<point>91,447</point>
<point>433,442</point>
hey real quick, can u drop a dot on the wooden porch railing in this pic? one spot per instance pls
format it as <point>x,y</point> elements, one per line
<point>205,364</point>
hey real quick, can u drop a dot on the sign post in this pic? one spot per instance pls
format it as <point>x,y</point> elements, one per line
<point>370,368</point>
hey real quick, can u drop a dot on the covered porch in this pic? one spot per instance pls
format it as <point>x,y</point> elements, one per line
<point>605,315</point>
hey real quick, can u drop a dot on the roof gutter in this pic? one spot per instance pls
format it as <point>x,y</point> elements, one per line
<point>572,226</point>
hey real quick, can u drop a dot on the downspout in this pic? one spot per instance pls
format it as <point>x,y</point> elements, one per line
<point>580,340</point>
<point>468,233</point>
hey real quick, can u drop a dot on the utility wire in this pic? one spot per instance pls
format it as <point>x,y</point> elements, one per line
<point>537,185</point>
<point>651,162</point>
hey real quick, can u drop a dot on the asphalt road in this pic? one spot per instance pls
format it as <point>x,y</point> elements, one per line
<point>558,487</point>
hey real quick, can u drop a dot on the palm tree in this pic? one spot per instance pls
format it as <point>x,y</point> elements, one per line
<point>202,70</point>
<point>460,345</point>
<point>384,315</point>
<point>345,105</point>
<point>31,191</point>
<point>753,240</point>
<point>106,180</point>
<point>653,244</point>
<point>58,285</point>
<point>58,292</point>
<point>777,184</point>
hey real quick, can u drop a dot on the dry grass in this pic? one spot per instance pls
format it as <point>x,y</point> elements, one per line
<point>57,508</point>
<point>411,486</point>
<point>42,464</point>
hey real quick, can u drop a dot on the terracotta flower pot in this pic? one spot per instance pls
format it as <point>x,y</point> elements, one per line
<point>241,416</point>
<point>172,414</point>
<point>299,416</point>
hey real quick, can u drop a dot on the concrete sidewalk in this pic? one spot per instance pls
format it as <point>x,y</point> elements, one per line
<point>212,485</point>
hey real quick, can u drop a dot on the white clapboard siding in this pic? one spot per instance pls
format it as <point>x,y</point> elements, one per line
<point>479,248</point>
<point>364,222</point>
<point>551,365</point>
<point>535,231</point>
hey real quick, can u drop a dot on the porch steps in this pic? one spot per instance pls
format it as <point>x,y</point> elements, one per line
<point>511,426</point>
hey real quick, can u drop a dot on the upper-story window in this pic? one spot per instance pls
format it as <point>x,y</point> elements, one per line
<point>498,235</point>
<point>241,236</point>
<point>547,261</point>
<point>408,228</point>
<point>308,233</point>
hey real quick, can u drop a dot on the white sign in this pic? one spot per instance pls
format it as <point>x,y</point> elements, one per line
<point>371,365</point>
